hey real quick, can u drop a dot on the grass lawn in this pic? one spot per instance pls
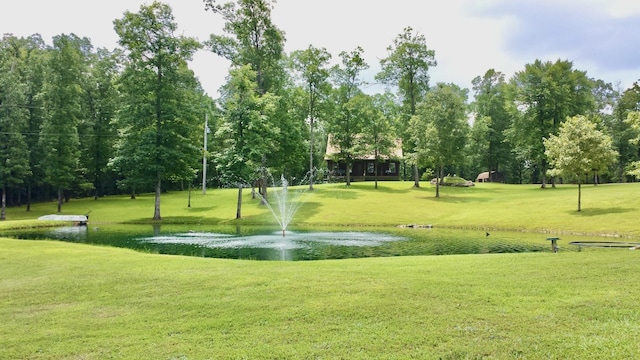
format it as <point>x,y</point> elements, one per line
<point>610,209</point>
<point>75,301</point>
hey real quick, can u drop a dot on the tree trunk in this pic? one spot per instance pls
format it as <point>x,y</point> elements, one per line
<point>263,176</point>
<point>28,197</point>
<point>579,196</point>
<point>311,153</point>
<point>348,174</point>
<point>3,212</point>
<point>544,174</point>
<point>59,199</point>
<point>438,174</point>
<point>239,206</point>
<point>156,210</point>
<point>416,176</point>
<point>375,172</point>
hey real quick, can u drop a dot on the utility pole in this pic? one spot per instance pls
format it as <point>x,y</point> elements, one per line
<point>204,155</point>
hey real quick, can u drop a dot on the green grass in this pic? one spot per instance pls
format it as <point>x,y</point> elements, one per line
<point>609,209</point>
<point>74,301</point>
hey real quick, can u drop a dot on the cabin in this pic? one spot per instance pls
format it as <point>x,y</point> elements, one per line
<point>363,167</point>
<point>490,176</point>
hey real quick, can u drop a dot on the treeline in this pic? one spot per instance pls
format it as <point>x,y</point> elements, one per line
<point>77,121</point>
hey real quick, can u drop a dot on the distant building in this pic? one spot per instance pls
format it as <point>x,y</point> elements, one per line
<point>490,176</point>
<point>363,167</point>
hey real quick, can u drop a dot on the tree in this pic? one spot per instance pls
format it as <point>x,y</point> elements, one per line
<point>63,92</point>
<point>378,135</point>
<point>311,66</point>
<point>622,132</point>
<point>14,153</point>
<point>544,95</point>
<point>578,149</point>
<point>633,123</point>
<point>407,68</point>
<point>245,118</point>
<point>490,107</point>
<point>97,134</point>
<point>254,40</point>
<point>36,58</point>
<point>439,128</point>
<point>344,126</point>
<point>161,98</point>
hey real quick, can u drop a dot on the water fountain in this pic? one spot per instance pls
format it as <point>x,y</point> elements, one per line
<point>284,207</point>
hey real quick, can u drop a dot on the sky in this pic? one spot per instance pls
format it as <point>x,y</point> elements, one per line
<point>469,37</point>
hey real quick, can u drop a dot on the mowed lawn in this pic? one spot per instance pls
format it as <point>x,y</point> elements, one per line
<point>611,209</point>
<point>75,301</point>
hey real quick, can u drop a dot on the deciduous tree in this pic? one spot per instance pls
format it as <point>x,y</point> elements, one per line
<point>312,68</point>
<point>160,114</point>
<point>578,149</point>
<point>545,94</point>
<point>407,68</point>
<point>344,126</point>
<point>14,153</point>
<point>63,92</point>
<point>439,128</point>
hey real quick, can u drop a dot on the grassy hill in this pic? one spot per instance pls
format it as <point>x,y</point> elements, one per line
<point>610,209</point>
<point>75,301</point>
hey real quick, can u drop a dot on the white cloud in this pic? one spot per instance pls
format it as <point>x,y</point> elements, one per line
<point>468,37</point>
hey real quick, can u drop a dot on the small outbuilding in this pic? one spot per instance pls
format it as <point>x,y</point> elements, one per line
<point>490,176</point>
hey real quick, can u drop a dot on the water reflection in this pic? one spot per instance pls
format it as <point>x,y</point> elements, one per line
<point>266,244</point>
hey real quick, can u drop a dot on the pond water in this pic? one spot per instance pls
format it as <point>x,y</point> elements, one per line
<point>259,243</point>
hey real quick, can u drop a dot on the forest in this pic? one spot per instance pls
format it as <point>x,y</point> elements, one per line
<point>79,121</point>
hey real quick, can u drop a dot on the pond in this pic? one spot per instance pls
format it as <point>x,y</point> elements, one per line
<point>261,243</point>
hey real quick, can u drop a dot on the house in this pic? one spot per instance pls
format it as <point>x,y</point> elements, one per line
<point>490,176</point>
<point>363,167</point>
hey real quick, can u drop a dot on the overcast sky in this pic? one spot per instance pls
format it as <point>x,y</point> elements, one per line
<point>468,36</point>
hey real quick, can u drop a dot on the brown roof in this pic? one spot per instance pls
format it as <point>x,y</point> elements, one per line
<point>333,149</point>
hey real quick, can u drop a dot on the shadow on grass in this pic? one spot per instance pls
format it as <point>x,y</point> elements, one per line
<point>342,193</point>
<point>600,211</point>
<point>200,209</point>
<point>177,220</point>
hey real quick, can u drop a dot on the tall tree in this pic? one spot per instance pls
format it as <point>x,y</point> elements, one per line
<point>578,149</point>
<point>252,39</point>
<point>622,132</point>
<point>160,92</point>
<point>14,153</point>
<point>407,68</point>
<point>490,103</point>
<point>245,118</point>
<point>439,128</point>
<point>378,135</point>
<point>545,94</point>
<point>345,126</point>
<point>35,69</point>
<point>97,132</point>
<point>312,69</point>
<point>63,92</point>
<point>633,124</point>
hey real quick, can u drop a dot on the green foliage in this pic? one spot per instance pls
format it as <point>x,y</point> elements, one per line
<point>345,126</point>
<point>63,94</point>
<point>579,148</point>
<point>246,131</point>
<point>544,95</point>
<point>491,151</point>
<point>439,128</point>
<point>252,40</point>
<point>161,97</point>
